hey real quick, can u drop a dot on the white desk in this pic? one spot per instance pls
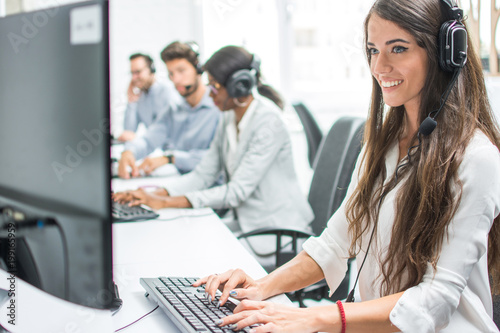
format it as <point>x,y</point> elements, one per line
<point>187,246</point>
<point>182,242</point>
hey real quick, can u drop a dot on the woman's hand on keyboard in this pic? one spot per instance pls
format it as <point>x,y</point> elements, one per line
<point>273,317</point>
<point>123,197</point>
<point>235,283</point>
<point>155,200</point>
<point>141,197</point>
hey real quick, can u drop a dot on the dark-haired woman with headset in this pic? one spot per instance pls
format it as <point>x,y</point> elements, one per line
<point>421,213</point>
<point>251,147</point>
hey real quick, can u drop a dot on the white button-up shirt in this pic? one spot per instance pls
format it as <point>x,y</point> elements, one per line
<point>234,132</point>
<point>455,298</point>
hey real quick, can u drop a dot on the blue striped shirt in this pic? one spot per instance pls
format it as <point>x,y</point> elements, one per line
<point>185,130</point>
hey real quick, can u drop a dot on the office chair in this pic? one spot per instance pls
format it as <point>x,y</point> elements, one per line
<point>314,134</point>
<point>333,168</point>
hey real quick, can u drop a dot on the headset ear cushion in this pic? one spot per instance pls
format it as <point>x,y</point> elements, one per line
<point>444,46</point>
<point>452,46</point>
<point>239,88</point>
<point>199,68</point>
<point>240,83</point>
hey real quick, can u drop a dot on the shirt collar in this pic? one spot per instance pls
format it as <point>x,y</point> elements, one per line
<point>152,87</point>
<point>247,115</point>
<point>205,103</point>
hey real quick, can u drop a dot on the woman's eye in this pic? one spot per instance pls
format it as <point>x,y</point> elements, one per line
<point>399,49</point>
<point>372,51</point>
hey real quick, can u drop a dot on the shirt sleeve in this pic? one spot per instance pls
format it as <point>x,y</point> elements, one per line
<point>428,306</point>
<point>155,137</point>
<point>131,121</point>
<point>204,174</point>
<point>267,140</point>
<point>186,161</point>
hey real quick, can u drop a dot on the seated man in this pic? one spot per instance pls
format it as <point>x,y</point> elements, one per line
<point>147,98</point>
<point>186,130</point>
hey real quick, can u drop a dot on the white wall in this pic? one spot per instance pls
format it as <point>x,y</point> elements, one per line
<point>251,24</point>
<point>3,8</point>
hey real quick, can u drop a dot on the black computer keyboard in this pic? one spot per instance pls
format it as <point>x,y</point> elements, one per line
<point>125,213</point>
<point>187,306</point>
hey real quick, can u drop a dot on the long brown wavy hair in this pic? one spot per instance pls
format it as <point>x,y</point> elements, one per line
<point>427,202</point>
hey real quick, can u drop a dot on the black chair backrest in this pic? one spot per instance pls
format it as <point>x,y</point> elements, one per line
<point>311,129</point>
<point>333,168</point>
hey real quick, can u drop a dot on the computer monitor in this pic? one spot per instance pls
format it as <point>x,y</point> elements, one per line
<point>54,146</point>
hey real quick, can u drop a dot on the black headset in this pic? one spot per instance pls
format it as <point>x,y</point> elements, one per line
<point>452,39</point>
<point>452,52</point>
<point>196,49</point>
<point>152,67</point>
<point>241,82</point>
<point>151,63</point>
<point>452,43</point>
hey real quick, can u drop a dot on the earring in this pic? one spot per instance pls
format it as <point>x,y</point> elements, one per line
<point>240,104</point>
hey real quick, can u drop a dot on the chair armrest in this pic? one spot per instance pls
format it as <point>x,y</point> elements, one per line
<point>278,232</point>
<point>283,252</point>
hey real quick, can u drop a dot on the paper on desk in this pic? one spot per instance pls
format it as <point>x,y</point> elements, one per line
<point>24,308</point>
<point>118,184</point>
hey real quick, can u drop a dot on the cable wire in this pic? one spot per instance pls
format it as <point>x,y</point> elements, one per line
<point>135,321</point>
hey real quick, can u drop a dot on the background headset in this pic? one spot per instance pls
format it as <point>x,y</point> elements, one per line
<point>197,65</point>
<point>151,63</point>
<point>196,49</point>
<point>241,82</point>
<point>452,53</point>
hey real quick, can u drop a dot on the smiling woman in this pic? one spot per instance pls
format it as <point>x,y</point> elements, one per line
<point>400,67</point>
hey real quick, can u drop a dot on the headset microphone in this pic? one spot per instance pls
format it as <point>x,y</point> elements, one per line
<point>430,123</point>
<point>427,126</point>
<point>189,89</point>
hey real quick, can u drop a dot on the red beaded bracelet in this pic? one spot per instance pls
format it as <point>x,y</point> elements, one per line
<point>342,315</point>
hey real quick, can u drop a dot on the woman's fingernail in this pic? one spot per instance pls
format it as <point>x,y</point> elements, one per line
<point>218,304</point>
<point>218,322</point>
<point>232,326</point>
<point>233,293</point>
<point>210,298</point>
